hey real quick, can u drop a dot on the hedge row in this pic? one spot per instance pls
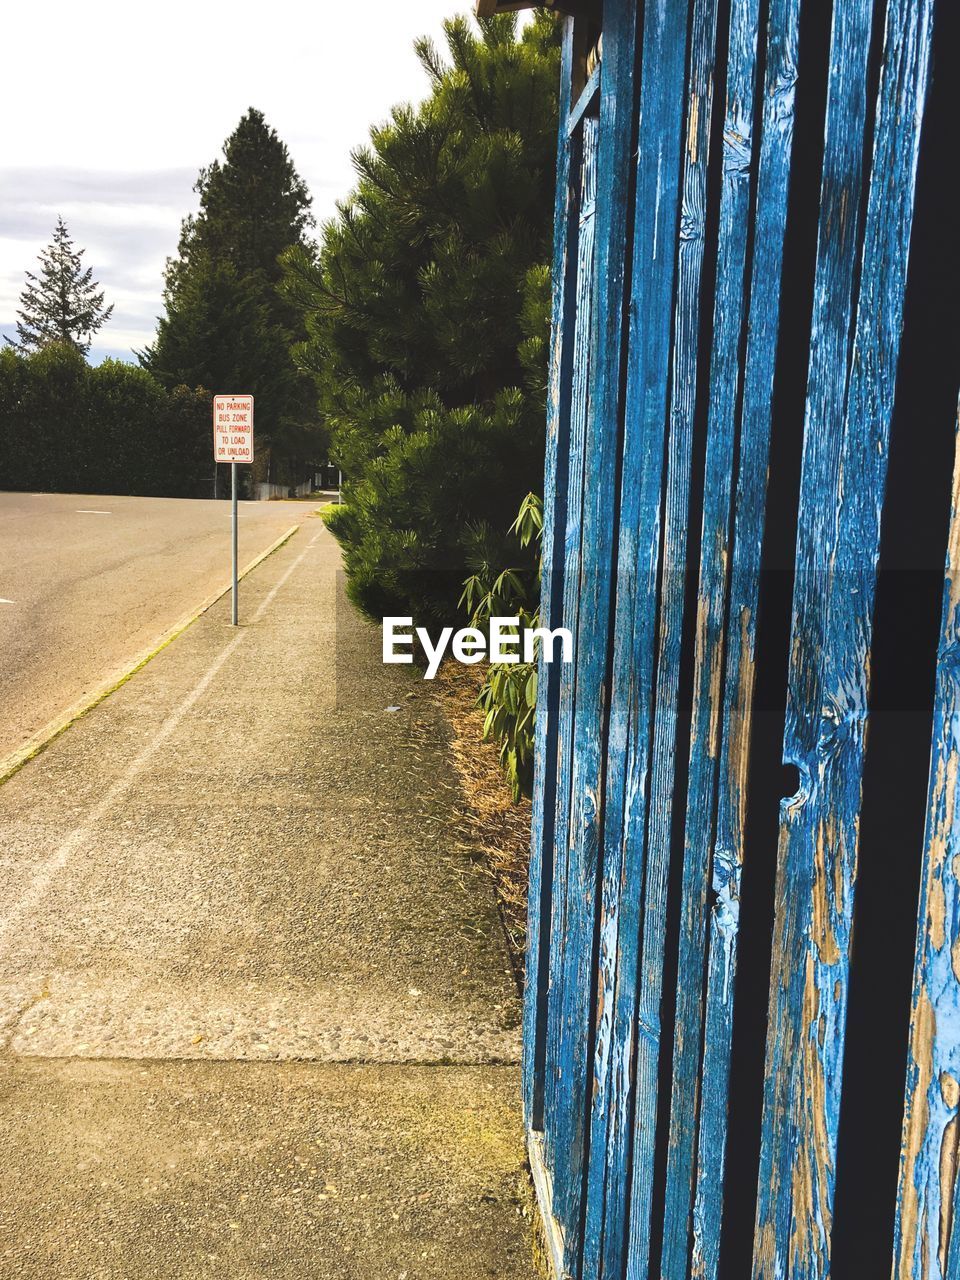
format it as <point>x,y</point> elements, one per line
<point>71,428</point>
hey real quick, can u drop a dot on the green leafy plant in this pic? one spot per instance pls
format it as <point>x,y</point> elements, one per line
<point>508,695</point>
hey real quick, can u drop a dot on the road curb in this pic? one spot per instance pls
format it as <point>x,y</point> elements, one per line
<point>10,764</point>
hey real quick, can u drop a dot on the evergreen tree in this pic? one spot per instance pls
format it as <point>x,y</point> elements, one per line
<point>253,205</point>
<point>219,333</point>
<point>226,325</point>
<point>427,316</point>
<point>62,303</point>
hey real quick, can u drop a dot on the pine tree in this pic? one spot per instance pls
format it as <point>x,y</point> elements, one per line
<point>253,205</point>
<point>62,303</point>
<point>427,316</point>
<point>218,333</point>
<point>226,325</point>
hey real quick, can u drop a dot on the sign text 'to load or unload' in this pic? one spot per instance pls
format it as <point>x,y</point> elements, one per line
<point>233,428</point>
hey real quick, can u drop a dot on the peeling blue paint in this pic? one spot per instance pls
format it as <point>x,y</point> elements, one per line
<point>632,327</point>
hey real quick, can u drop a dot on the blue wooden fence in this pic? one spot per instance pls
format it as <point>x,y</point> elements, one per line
<point>681,197</point>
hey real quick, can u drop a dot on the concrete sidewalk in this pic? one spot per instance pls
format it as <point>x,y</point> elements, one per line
<point>256,1010</point>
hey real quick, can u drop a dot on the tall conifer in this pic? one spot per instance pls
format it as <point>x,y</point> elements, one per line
<point>62,303</point>
<point>226,325</point>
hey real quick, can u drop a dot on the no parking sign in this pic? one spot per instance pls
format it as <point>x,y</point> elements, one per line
<point>233,443</point>
<point>233,428</point>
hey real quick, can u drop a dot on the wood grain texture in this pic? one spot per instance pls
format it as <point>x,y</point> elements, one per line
<point>925,1234</point>
<point>602,450</point>
<point>842,487</point>
<point>776,144</point>
<point>556,1117</point>
<point>649,878</point>
<point>719,469</point>
<point>555,480</point>
<point>585,101</point>
<point>788,1138</point>
<point>666,100</point>
<point>632,192</point>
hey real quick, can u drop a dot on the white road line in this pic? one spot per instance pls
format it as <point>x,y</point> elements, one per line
<point>81,511</point>
<point>44,876</point>
<point>42,739</point>
<point>3,601</point>
<point>271,594</point>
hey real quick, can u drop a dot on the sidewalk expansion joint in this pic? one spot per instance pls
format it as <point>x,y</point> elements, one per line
<point>399,1064</point>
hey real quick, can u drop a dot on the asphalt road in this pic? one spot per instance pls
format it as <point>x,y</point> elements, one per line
<point>88,582</point>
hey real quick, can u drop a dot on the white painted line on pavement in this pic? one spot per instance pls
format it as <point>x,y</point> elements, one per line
<point>271,594</point>
<point>42,739</point>
<point>81,511</point>
<point>3,601</point>
<point>44,876</point>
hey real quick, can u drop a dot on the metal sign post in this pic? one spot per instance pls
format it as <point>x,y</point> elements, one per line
<point>233,443</point>
<point>235,523</point>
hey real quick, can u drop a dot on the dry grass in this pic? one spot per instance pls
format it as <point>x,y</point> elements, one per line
<point>498,826</point>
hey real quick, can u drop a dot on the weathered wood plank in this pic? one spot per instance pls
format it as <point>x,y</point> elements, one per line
<point>614,204</point>
<point>551,611</point>
<point>828,683</point>
<point>633,722</point>
<point>816,543</point>
<point>584,102</point>
<point>725,375</point>
<point>926,1239</point>
<point>556,1133</point>
<point>763,325</point>
<point>953,1260</point>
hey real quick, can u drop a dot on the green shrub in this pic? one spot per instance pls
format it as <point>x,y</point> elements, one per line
<point>66,426</point>
<point>427,316</point>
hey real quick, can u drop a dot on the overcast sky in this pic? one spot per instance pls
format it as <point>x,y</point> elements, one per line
<point>112,107</point>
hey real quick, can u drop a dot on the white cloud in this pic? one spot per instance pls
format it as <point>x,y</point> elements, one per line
<point>119,105</point>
